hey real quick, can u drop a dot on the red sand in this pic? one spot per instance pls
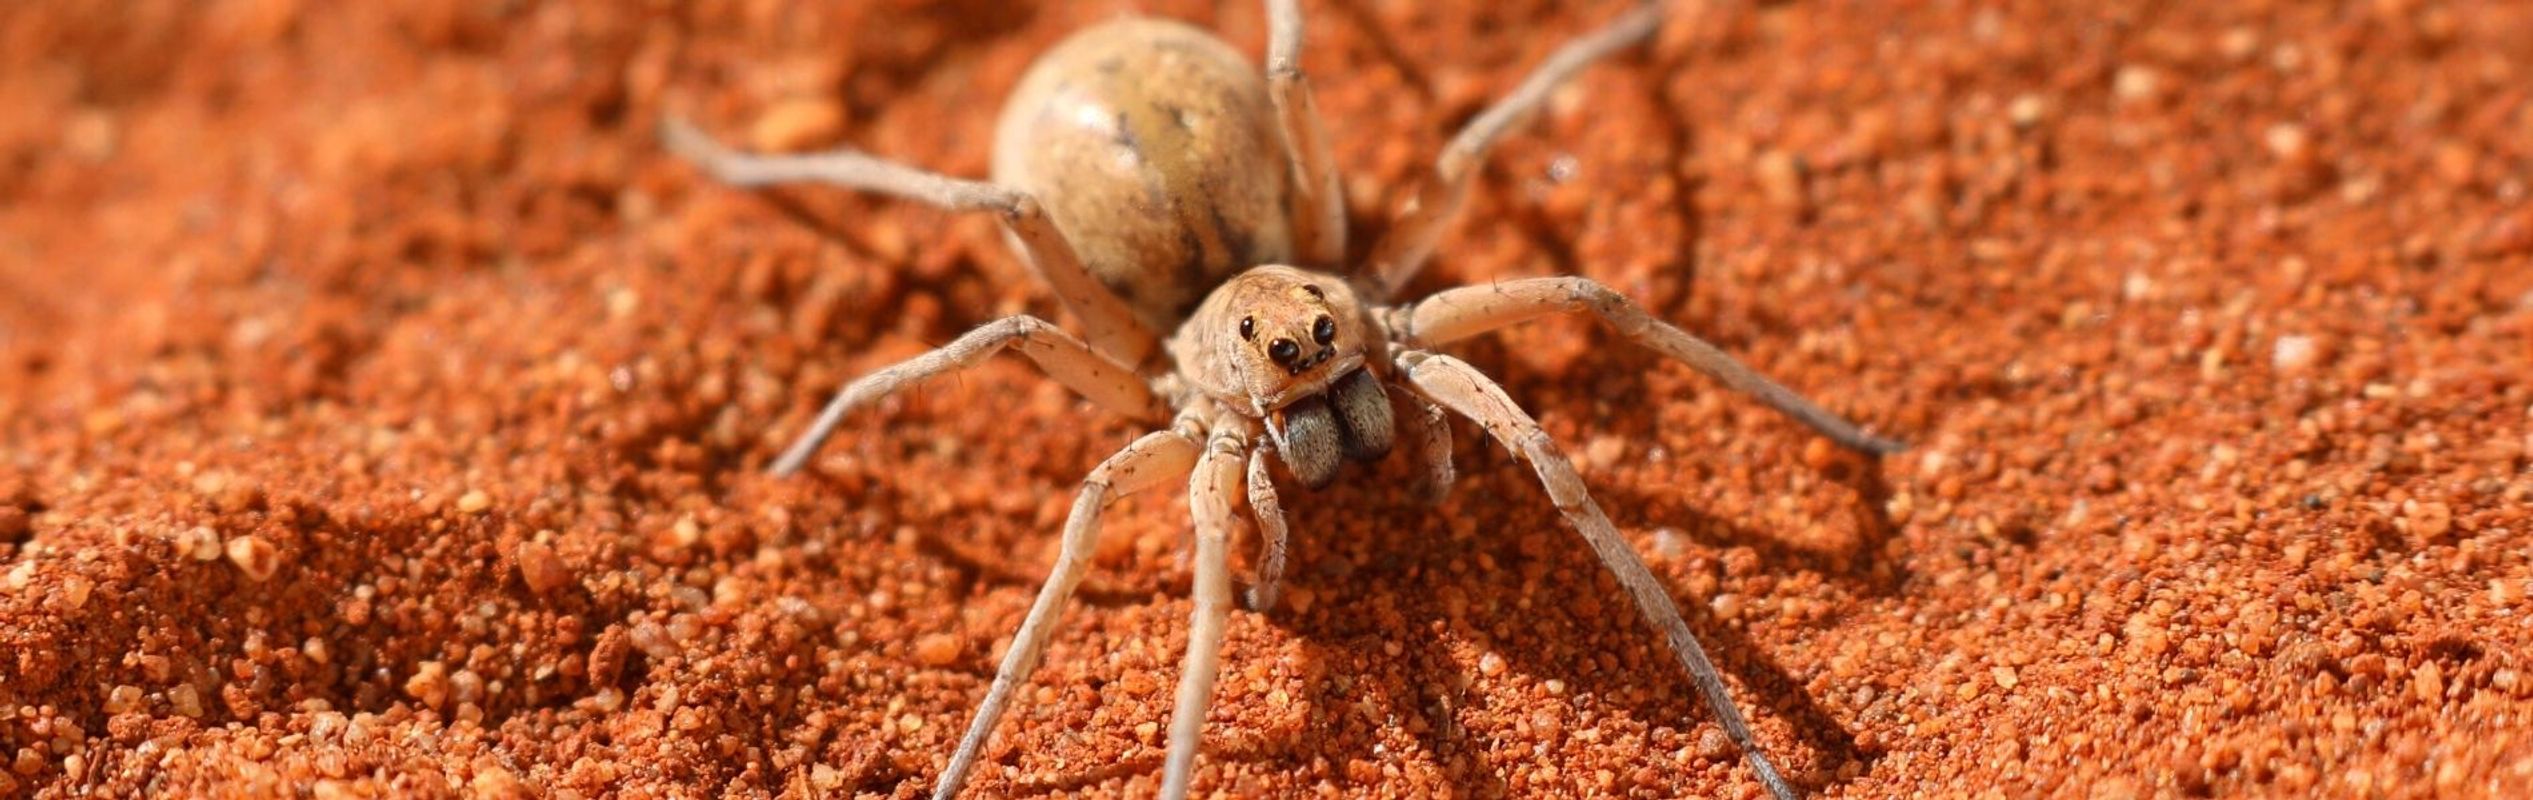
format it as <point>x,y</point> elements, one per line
<point>384,410</point>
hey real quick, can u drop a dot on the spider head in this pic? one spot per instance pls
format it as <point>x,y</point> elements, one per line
<point>1294,331</point>
<point>1297,349</point>
<point>1272,336</point>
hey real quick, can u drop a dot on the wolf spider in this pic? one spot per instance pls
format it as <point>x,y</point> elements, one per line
<point>1160,184</point>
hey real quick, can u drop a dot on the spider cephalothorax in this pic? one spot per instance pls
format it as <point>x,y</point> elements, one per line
<point>1135,135</point>
<point>1296,349</point>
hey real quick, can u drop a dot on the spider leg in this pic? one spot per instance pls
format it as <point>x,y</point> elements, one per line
<point>1106,321</point>
<point>1455,314</point>
<point>1463,389</point>
<point>1209,494</point>
<point>1319,208</point>
<point>1149,460</point>
<point>1429,439</point>
<point>1269,512</point>
<point>1402,251</point>
<point>1063,357</point>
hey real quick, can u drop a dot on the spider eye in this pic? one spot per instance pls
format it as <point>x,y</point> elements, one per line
<point>1284,351</point>
<point>1248,328</point>
<point>1314,291</point>
<point>1324,331</point>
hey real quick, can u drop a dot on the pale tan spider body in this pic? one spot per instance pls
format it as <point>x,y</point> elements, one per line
<point>1163,191</point>
<point>1166,188</point>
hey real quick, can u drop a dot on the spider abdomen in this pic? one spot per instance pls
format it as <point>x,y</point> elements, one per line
<point>1153,147</point>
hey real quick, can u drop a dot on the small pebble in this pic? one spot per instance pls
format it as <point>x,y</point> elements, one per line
<point>2136,83</point>
<point>2288,142</point>
<point>253,556</point>
<point>474,501</point>
<point>1780,178</point>
<point>1819,454</point>
<point>73,593</point>
<point>200,542</point>
<point>2428,520</point>
<point>797,124</point>
<point>2292,353</point>
<point>2427,683</point>
<point>91,135</point>
<point>1727,606</point>
<point>937,650</point>
<point>541,569</point>
<point>429,684</point>
<point>466,687</point>
<point>1603,452</point>
<point>1713,745</point>
<point>185,700</point>
<point>2239,43</point>
<point>2026,110</point>
<point>123,699</point>
<point>492,782</point>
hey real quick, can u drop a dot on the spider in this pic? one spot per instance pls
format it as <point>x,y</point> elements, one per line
<point>1185,208</point>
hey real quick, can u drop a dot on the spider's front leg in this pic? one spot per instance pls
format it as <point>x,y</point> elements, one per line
<point>1064,358</point>
<point>1272,532</point>
<point>1154,458</point>
<point>1456,314</point>
<point>1210,491</point>
<point>1471,394</point>
<point>1428,436</point>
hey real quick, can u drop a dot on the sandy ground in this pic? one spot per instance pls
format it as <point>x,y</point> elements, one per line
<point>384,412</point>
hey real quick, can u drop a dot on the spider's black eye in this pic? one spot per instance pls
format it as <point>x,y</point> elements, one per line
<point>1323,331</point>
<point>1314,291</point>
<point>1284,351</point>
<point>1248,328</point>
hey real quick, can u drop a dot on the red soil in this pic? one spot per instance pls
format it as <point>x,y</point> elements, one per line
<point>384,411</point>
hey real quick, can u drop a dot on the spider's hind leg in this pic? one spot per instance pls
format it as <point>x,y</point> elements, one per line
<point>1319,207</point>
<point>1106,322</point>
